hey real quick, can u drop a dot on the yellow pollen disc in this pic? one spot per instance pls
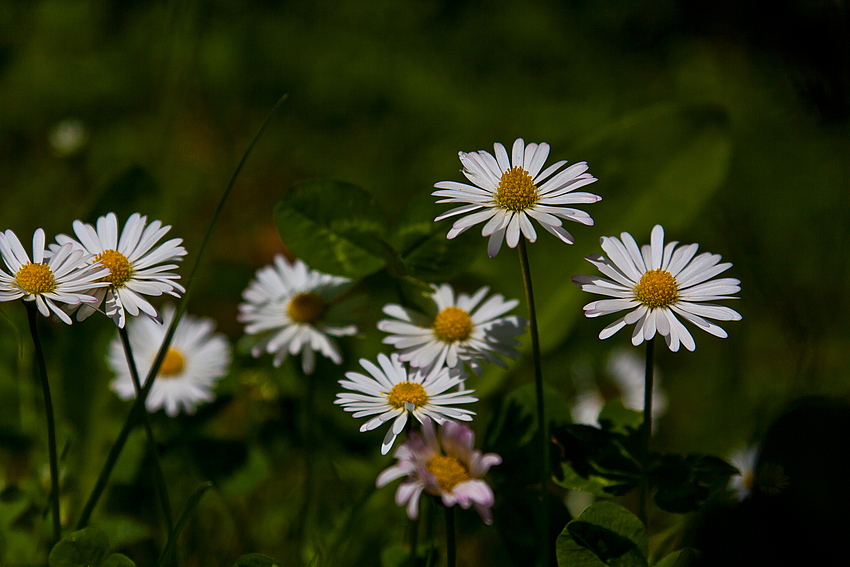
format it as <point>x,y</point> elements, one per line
<point>449,471</point>
<point>172,364</point>
<point>407,392</point>
<point>452,324</point>
<point>657,288</point>
<point>35,278</point>
<point>516,190</point>
<point>307,308</point>
<point>118,264</point>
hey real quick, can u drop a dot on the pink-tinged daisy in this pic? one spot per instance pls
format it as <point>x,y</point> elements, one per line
<point>66,277</point>
<point>456,331</point>
<point>390,393</point>
<point>656,283</point>
<point>292,309</point>
<point>448,468</point>
<point>509,192</point>
<point>137,266</point>
<point>196,359</point>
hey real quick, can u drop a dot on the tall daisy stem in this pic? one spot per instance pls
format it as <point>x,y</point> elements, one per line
<point>646,432</point>
<point>451,545</point>
<point>153,454</point>
<point>542,423</point>
<point>32,317</point>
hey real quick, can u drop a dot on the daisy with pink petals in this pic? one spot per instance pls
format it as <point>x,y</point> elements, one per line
<point>509,192</point>
<point>448,468</point>
<point>656,283</point>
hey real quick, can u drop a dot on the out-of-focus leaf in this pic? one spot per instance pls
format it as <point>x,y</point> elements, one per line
<point>592,484</point>
<point>118,560</point>
<point>618,418</point>
<point>123,531</point>
<point>679,558</point>
<point>522,401</point>
<point>395,556</point>
<point>604,534</point>
<point>256,560</point>
<point>684,483</point>
<point>335,227</point>
<point>85,548</point>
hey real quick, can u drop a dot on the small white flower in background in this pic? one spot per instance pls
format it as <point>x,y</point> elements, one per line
<point>68,136</point>
<point>457,331</point>
<point>656,283</point>
<point>744,459</point>
<point>449,468</point>
<point>389,393</point>
<point>510,194</point>
<point>66,277</point>
<point>195,360</point>
<point>136,268</point>
<point>289,307</point>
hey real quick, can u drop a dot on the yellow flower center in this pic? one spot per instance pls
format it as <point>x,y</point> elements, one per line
<point>35,278</point>
<point>657,288</point>
<point>407,392</point>
<point>449,471</point>
<point>118,264</point>
<point>516,190</point>
<point>307,308</point>
<point>172,364</point>
<point>452,324</point>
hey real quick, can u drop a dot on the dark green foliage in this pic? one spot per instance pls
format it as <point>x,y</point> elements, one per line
<point>88,547</point>
<point>256,560</point>
<point>604,534</point>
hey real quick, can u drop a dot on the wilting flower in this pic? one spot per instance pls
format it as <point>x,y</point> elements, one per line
<point>455,331</point>
<point>511,194</point>
<point>656,283</point>
<point>289,307</point>
<point>136,268</point>
<point>195,360</point>
<point>389,393</point>
<point>66,277</point>
<point>449,468</point>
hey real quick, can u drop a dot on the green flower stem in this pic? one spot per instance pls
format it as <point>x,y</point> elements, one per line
<point>451,545</point>
<point>646,432</point>
<point>413,525</point>
<point>159,478</point>
<point>32,317</point>
<point>139,403</point>
<point>542,423</point>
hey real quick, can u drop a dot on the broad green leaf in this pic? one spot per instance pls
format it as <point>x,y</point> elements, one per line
<point>606,533</point>
<point>679,558</point>
<point>85,548</point>
<point>118,560</point>
<point>256,560</point>
<point>335,227</point>
<point>620,419</point>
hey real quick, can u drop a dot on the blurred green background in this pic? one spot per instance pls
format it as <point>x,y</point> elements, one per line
<point>696,115</point>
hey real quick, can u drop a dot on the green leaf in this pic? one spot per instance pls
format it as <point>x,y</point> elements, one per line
<point>256,560</point>
<point>85,548</point>
<point>335,227</point>
<point>191,505</point>
<point>118,560</point>
<point>618,418</point>
<point>593,484</point>
<point>684,483</point>
<point>679,558</point>
<point>395,556</point>
<point>604,534</point>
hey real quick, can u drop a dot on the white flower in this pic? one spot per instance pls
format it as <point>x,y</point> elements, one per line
<point>194,362</point>
<point>290,307</point>
<point>656,283</point>
<point>136,267</point>
<point>66,277</point>
<point>455,331</point>
<point>389,393</point>
<point>744,459</point>
<point>454,473</point>
<point>510,195</point>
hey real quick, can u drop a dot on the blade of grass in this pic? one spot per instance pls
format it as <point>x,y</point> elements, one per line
<point>193,502</point>
<point>139,403</point>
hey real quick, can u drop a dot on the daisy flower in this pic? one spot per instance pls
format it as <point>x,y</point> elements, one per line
<point>290,307</point>
<point>656,283</point>
<point>389,393</point>
<point>456,331</point>
<point>509,193</point>
<point>744,459</point>
<point>66,277</point>
<point>194,362</point>
<point>448,468</point>
<point>136,268</point>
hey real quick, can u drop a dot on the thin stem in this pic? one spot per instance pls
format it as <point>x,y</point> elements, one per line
<point>32,317</point>
<point>646,431</point>
<point>414,537</point>
<point>139,402</point>
<point>159,478</point>
<point>542,423</point>
<point>191,505</point>
<point>451,546</point>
